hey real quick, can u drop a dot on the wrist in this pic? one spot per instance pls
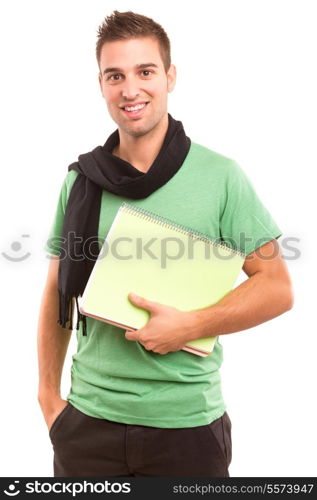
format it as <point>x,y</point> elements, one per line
<point>48,396</point>
<point>194,326</point>
<point>202,323</point>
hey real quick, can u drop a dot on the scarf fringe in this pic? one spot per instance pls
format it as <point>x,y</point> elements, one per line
<point>66,310</point>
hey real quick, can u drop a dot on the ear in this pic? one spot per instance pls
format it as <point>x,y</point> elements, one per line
<point>171,78</point>
<point>100,82</point>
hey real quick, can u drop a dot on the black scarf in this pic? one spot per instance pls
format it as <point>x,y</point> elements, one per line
<point>98,170</point>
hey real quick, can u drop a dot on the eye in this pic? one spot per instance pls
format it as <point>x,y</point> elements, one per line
<point>110,77</point>
<point>146,71</point>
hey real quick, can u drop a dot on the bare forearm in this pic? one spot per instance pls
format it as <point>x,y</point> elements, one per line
<point>256,300</point>
<point>52,343</point>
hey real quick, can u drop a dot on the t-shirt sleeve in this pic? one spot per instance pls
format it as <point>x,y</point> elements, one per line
<point>53,243</point>
<point>245,223</point>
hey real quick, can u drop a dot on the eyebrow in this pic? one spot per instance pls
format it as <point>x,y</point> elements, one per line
<point>138,66</point>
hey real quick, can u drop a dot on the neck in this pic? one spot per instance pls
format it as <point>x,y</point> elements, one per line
<point>141,151</point>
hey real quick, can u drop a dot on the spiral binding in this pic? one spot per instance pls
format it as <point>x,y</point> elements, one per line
<point>147,214</point>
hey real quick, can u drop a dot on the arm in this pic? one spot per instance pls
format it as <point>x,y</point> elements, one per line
<point>52,343</point>
<point>266,294</point>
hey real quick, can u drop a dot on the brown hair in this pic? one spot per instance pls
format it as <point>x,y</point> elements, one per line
<point>126,25</point>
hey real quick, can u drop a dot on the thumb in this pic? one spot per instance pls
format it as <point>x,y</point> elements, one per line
<point>139,301</point>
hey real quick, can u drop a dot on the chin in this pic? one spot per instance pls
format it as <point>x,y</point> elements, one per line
<point>136,129</point>
<point>137,133</point>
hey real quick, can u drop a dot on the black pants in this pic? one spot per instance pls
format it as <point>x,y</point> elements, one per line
<point>85,446</point>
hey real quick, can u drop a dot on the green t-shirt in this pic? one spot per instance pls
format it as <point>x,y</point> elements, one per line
<point>119,380</point>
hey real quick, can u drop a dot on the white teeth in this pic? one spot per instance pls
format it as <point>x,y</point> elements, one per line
<point>138,106</point>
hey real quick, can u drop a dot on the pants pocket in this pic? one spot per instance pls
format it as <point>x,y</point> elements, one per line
<point>221,432</point>
<point>226,431</point>
<point>58,420</point>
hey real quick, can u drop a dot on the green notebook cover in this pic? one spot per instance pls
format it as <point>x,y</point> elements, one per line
<point>162,261</point>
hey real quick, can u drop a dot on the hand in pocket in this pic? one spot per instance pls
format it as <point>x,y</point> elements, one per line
<point>51,409</point>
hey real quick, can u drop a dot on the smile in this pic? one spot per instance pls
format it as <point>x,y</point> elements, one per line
<point>135,111</point>
<point>134,108</point>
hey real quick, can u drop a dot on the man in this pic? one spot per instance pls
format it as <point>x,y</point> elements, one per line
<point>138,404</point>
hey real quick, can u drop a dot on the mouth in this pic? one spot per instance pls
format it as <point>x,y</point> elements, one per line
<point>135,111</point>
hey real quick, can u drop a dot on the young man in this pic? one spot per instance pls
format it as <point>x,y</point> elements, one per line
<point>139,405</point>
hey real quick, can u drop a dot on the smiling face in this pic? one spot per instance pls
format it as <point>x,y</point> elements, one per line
<point>132,73</point>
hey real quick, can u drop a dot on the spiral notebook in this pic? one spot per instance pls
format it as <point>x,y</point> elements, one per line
<point>160,260</point>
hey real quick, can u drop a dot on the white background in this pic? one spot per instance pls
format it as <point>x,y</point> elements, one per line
<point>246,88</point>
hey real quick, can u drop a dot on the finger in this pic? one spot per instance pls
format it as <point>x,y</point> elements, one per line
<point>139,301</point>
<point>131,335</point>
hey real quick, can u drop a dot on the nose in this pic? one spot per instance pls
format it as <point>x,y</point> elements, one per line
<point>130,89</point>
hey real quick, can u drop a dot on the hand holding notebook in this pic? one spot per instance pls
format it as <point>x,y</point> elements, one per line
<point>197,277</point>
<point>168,329</point>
